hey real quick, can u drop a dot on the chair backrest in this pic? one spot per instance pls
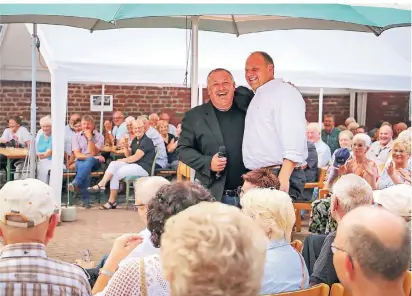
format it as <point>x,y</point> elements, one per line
<point>339,290</point>
<point>152,173</point>
<point>320,182</point>
<point>183,171</point>
<point>297,244</point>
<point>318,290</point>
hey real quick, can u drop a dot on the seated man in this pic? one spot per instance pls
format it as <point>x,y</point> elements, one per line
<point>371,252</point>
<point>349,192</point>
<point>86,147</point>
<point>29,216</point>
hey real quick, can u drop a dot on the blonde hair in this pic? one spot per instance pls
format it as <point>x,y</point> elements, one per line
<point>314,126</point>
<point>145,188</point>
<point>129,119</point>
<point>402,142</point>
<point>213,249</point>
<point>346,133</point>
<point>405,136</point>
<point>353,125</point>
<point>273,210</point>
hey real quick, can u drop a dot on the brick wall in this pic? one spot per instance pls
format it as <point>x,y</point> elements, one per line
<point>15,97</point>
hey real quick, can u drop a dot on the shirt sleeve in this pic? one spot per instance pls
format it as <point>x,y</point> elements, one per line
<point>99,141</point>
<point>290,121</point>
<point>75,143</point>
<point>25,134</point>
<point>323,270</point>
<point>125,281</point>
<point>6,135</point>
<point>146,145</point>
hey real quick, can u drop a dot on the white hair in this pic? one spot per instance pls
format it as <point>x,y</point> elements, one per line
<point>350,119</point>
<point>272,209</point>
<point>314,126</point>
<point>352,191</point>
<point>143,118</point>
<point>46,120</point>
<point>364,138</point>
<point>353,125</point>
<point>405,136</point>
<point>129,119</point>
<point>146,188</point>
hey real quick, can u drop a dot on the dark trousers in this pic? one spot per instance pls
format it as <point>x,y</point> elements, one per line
<point>296,183</point>
<point>231,200</point>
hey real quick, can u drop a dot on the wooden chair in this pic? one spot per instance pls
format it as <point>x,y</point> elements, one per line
<point>339,290</point>
<point>298,245</point>
<point>306,205</point>
<point>183,172</point>
<point>318,290</point>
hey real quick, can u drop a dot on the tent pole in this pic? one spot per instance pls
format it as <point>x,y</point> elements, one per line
<point>320,107</point>
<point>102,108</point>
<point>194,91</point>
<point>33,110</point>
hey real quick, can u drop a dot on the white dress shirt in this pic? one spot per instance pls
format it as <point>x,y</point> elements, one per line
<point>324,154</point>
<point>275,126</point>
<point>379,154</point>
<point>172,130</point>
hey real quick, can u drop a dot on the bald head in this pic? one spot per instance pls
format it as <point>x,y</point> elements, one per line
<point>385,134</point>
<point>378,241</point>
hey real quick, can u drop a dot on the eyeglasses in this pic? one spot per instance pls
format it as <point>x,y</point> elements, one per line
<point>334,248</point>
<point>136,207</point>
<point>398,151</point>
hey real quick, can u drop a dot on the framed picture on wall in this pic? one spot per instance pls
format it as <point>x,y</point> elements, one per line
<point>96,103</point>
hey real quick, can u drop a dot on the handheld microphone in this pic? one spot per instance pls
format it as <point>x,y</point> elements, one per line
<point>221,154</point>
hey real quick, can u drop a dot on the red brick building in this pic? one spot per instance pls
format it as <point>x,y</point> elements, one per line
<point>15,99</point>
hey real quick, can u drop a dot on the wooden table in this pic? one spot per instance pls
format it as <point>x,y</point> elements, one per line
<point>13,153</point>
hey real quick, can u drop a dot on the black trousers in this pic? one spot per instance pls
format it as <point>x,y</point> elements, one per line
<point>296,183</point>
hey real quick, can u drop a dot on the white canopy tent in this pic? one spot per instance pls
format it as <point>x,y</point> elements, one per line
<point>332,60</point>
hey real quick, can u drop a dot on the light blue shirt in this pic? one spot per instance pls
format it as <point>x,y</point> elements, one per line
<point>158,141</point>
<point>283,269</point>
<point>119,132</point>
<point>68,135</point>
<point>44,144</point>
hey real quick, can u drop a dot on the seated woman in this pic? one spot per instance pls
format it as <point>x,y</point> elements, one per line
<point>397,171</point>
<point>285,269</point>
<point>138,162</point>
<point>213,249</point>
<point>14,136</point>
<point>170,143</point>
<point>130,134</point>
<point>359,164</point>
<point>143,276</point>
<point>44,150</point>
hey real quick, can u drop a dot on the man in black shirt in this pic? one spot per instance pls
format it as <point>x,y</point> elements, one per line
<point>205,128</point>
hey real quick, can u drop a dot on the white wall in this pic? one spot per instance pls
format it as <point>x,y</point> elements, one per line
<point>15,56</point>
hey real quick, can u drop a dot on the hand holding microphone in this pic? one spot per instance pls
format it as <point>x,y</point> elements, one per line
<point>219,160</point>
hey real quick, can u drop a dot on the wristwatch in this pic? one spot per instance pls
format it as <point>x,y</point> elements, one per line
<point>106,272</point>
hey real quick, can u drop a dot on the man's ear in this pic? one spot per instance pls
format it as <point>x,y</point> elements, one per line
<point>54,219</point>
<point>349,268</point>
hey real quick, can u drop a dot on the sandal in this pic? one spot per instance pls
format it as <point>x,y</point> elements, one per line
<point>96,189</point>
<point>109,207</point>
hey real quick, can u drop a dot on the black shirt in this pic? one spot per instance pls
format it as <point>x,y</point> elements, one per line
<point>146,145</point>
<point>171,156</point>
<point>232,125</point>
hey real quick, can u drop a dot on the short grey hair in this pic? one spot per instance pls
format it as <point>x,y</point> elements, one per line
<point>364,138</point>
<point>146,188</point>
<point>129,119</point>
<point>350,119</point>
<point>352,191</point>
<point>46,120</point>
<point>314,126</point>
<point>347,133</point>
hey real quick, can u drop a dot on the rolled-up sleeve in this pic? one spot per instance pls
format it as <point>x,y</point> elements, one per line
<point>290,121</point>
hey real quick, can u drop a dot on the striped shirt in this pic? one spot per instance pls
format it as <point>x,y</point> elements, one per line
<point>26,270</point>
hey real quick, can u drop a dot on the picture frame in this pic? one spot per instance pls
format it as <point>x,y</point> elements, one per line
<point>95,103</point>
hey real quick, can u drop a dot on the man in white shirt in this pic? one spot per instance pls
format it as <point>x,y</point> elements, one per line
<point>313,134</point>
<point>380,150</point>
<point>275,127</point>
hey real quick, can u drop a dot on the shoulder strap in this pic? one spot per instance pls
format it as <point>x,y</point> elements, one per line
<point>142,277</point>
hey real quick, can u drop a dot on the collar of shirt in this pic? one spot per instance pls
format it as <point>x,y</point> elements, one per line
<point>268,85</point>
<point>273,244</point>
<point>389,145</point>
<point>23,250</point>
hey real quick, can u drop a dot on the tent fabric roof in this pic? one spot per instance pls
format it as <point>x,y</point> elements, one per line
<point>311,59</point>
